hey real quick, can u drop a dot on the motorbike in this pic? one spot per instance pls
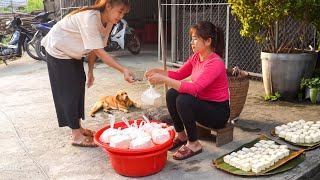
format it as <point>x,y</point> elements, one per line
<point>18,41</point>
<point>122,36</point>
<point>42,24</point>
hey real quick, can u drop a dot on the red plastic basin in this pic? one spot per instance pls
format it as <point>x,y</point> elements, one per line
<point>136,162</point>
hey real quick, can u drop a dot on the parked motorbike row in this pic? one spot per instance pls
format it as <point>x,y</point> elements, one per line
<point>122,36</point>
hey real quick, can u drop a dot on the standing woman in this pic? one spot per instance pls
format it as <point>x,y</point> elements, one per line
<point>206,98</point>
<point>77,35</point>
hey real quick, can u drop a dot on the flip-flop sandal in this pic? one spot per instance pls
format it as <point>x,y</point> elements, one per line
<point>185,153</point>
<point>176,143</point>
<point>87,142</point>
<point>88,132</point>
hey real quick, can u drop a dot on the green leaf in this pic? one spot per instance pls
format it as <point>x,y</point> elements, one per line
<point>287,163</point>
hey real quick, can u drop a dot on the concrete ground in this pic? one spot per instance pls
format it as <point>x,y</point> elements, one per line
<point>34,147</point>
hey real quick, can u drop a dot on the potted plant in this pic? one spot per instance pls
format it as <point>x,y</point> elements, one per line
<point>285,58</point>
<point>312,88</point>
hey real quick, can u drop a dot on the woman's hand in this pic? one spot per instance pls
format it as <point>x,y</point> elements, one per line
<point>152,72</point>
<point>90,79</point>
<point>156,78</point>
<point>129,76</point>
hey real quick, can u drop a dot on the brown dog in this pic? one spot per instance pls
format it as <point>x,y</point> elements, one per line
<point>120,101</point>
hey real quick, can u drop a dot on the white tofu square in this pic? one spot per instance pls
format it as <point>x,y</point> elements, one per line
<point>283,147</point>
<point>234,154</point>
<point>253,149</point>
<point>246,167</point>
<point>295,138</point>
<point>241,152</point>
<point>245,149</point>
<point>310,123</point>
<point>283,134</point>
<point>308,139</point>
<point>263,141</point>
<point>227,158</point>
<point>302,121</point>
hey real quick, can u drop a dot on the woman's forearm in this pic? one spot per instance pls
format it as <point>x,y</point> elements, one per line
<point>91,60</point>
<point>175,84</point>
<point>107,59</point>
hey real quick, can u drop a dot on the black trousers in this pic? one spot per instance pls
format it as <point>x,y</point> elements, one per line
<point>185,110</point>
<point>67,79</point>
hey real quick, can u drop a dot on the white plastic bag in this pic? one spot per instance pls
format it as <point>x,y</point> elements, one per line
<point>105,136</point>
<point>149,96</point>
<point>160,136</point>
<point>142,139</point>
<point>121,141</point>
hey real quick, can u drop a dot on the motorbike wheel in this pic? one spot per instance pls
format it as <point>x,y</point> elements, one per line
<point>31,50</point>
<point>41,52</point>
<point>132,42</point>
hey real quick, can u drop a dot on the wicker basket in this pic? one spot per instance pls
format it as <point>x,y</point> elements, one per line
<point>238,87</point>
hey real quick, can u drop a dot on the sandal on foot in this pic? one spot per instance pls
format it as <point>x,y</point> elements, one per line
<point>88,132</point>
<point>184,152</point>
<point>87,142</point>
<point>176,143</point>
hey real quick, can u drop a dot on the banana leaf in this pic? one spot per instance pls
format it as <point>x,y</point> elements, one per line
<point>305,146</point>
<point>287,163</point>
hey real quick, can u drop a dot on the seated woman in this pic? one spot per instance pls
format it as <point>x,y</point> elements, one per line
<point>206,98</point>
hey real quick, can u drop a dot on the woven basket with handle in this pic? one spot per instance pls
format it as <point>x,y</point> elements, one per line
<point>238,87</point>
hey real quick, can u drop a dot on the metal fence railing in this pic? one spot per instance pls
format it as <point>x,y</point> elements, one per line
<point>240,51</point>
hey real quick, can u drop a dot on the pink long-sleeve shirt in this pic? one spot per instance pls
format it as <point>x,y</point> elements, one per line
<point>209,78</point>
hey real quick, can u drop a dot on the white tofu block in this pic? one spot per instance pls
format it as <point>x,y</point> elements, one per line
<point>257,156</point>
<point>295,138</point>
<point>242,156</point>
<point>288,136</point>
<point>283,134</point>
<point>227,158</point>
<point>305,127</point>
<point>266,146</point>
<point>314,128</point>
<point>310,131</point>
<point>308,139</point>
<point>264,152</point>
<point>120,141</point>
<point>283,147</point>
<point>105,136</point>
<point>254,161</point>
<point>291,124</point>
<point>299,126</point>
<point>284,126</point>
<point>290,129</point>
<point>301,138</point>
<point>261,149</point>
<point>302,121</point>
<point>263,141</point>
<point>275,158</point>
<point>310,123</point>
<point>250,154</point>
<point>241,152</point>
<point>318,122</point>
<point>257,145</point>
<point>317,137</point>
<point>286,152</point>
<point>271,142</point>
<point>233,161</point>
<point>274,146</point>
<point>266,164</point>
<point>234,154</point>
<point>253,149</point>
<point>280,155</point>
<point>246,167</point>
<point>278,129</point>
<point>271,162</point>
<point>245,150</point>
<point>257,168</point>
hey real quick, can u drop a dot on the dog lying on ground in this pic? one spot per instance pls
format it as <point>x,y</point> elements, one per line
<point>120,101</point>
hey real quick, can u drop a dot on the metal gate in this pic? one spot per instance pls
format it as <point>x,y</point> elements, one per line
<point>180,15</point>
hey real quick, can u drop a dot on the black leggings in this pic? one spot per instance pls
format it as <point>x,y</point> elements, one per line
<point>185,110</point>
